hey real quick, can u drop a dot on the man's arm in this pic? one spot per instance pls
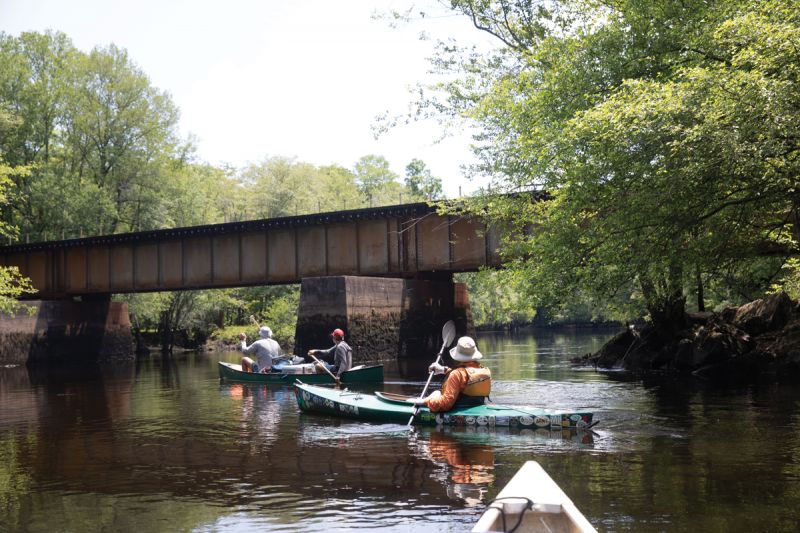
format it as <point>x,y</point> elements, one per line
<point>325,355</point>
<point>453,385</point>
<point>244,347</point>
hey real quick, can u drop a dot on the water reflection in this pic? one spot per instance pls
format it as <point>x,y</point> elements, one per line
<point>162,445</point>
<point>466,469</point>
<point>260,412</point>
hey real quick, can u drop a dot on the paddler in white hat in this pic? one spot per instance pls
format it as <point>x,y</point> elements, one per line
<point>467,384</point>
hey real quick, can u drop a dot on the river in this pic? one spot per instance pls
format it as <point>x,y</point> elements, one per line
<point>161,445</point>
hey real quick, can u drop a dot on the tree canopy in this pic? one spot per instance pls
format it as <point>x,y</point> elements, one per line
<point>664,132</point>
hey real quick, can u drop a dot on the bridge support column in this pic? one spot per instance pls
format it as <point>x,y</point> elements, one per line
<point>64,331</point>
<point>382,318</point>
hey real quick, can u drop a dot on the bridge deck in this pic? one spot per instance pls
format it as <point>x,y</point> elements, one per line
<point>397,241</point>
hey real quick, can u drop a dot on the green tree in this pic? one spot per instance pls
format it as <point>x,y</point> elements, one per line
<point>12,283</point>
<point>199,194</point>
<point>665,134</point>
<point>34,82</point>
<point>278,187</point>
<point>100,141</point>
<point>421,183</point>
<point>337,189</point>
<point>377,182</point>
<point>496,299</point>
<point>119,132</point>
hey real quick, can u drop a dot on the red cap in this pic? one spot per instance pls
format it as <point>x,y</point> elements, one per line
<point>337,333</point>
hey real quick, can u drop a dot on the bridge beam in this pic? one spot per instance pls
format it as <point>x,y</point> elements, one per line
<point>399,241</point>
<point>383,318</point>
<point>67,331</point>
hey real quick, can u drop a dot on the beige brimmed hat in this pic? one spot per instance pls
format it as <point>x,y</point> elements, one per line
<point>265,332</point>
<point>465,350</point>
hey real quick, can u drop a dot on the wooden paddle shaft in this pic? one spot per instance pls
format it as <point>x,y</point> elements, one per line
<point>325,367</point>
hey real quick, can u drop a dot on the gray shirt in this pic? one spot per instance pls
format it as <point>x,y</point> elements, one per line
<point>265,351</point>
<point>342,355</point>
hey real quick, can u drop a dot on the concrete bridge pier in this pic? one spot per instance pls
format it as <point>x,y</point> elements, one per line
<point>66,331</point>
<point>383,318</point>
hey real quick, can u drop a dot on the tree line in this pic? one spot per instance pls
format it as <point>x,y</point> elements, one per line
<point>88,146</point>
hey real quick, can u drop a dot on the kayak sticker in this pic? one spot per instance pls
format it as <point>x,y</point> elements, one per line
<point>541,421</point>
<point>348,409</point>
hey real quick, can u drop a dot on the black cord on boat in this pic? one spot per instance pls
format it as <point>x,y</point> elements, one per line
<point>500,508</point>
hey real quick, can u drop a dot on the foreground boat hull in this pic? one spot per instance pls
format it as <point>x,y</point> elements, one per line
<point>532,502</point>
<point>390,409</point>
<point>365,374</point>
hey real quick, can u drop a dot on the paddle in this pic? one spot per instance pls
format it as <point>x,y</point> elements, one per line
<point>338,382</point>
<point>448,334</point>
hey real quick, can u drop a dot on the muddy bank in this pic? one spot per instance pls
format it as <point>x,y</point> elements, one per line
<point>758,340</point>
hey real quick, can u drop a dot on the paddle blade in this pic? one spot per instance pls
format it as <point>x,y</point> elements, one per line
<point>448,333</point>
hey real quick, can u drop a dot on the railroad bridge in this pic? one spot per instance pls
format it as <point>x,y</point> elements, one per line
<point>383,274</point>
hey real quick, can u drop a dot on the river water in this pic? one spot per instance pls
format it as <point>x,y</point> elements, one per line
<point>161,445</point>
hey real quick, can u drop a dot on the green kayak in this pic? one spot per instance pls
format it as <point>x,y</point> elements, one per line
<point>358,374</point>
<point>392,408</point>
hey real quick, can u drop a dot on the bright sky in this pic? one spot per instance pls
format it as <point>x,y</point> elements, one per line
<point>262,78</point>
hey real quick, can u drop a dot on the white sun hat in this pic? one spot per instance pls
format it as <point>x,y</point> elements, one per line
<point>465,350</point>
<point>265,332</point>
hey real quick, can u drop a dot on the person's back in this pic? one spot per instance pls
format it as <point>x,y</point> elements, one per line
<point>343,358</point>
<point>266,349</point>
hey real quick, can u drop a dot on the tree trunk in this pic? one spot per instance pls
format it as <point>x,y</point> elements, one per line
<point>701,304</point>
<point>166,332</point>
<point>667,307</point>
<point>669,315</point>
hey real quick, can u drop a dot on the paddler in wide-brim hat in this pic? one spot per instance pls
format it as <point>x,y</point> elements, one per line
<point>467,384</point>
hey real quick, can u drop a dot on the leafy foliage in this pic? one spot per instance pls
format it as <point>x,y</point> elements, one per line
<point>497,299</point>
<point>12,283</point>
<point>664,132</point>
<point>420,181</point>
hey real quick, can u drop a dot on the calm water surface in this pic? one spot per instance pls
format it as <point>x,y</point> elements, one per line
<point>162,445</point>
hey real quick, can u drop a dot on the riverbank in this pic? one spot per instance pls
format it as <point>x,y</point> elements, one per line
<point>758,340</point>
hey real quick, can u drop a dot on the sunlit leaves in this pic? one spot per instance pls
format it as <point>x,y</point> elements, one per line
<point>666,133</point>
<point>12,283</point>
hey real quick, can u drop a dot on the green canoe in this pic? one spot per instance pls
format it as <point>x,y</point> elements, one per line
<point>388,408</point>
<point>358,374</point>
